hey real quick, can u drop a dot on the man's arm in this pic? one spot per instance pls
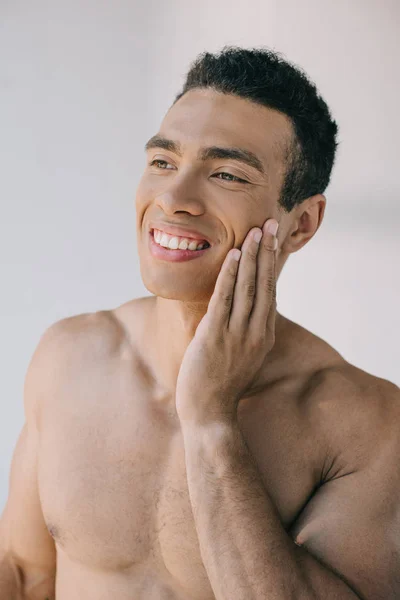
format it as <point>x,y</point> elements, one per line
<point>27,551</point>
<point>349,532</point>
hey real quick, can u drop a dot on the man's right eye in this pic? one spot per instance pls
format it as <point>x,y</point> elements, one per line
<point>157,160</point>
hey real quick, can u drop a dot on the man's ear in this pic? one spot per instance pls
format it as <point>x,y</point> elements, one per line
<point>306,221</point>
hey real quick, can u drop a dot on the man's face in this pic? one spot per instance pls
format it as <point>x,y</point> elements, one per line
<point>205,195</point>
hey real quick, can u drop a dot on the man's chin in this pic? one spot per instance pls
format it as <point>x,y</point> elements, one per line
<point>183,293</point>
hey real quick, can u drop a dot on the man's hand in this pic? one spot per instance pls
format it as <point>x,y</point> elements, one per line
<point>235,335</point>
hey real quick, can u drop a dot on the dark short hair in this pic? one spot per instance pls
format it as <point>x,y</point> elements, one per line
<point>265,77</point>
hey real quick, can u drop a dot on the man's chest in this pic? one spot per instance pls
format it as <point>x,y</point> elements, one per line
<point>113,481</point>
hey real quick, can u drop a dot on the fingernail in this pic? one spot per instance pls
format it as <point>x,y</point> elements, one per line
<point>272,226</point>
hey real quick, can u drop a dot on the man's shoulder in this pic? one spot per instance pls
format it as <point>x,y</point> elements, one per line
<point>100,332</point>
<point>333,385</point>
<point>353,411</point>
<point>75,343</point>
<point>341,386</point>
<point>351,415</point>
<point>72,351</point>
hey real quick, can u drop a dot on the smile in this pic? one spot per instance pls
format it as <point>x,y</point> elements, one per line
<point>174,242</point>
<point>174,248</point>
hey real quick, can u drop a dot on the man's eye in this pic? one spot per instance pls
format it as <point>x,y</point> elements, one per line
<point>234,178</point>
<point>158,161</point>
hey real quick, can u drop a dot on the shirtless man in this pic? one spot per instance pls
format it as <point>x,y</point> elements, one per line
<point>276,475</point>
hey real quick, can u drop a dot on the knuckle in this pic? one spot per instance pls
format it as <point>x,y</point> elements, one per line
<point>257,336</point>
<point>226,299</point>
<point>255,340</point>
<point>256,343</point>
<point>252,252</point>
<point>232,268</point>
<point>269,285</point>
<point>269,246</point>
<point>249,288</point>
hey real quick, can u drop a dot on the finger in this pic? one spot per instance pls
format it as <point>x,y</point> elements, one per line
<point>245,288</point>
<point>220,304</point>
<point>265,282</point>
<point>271,320</point>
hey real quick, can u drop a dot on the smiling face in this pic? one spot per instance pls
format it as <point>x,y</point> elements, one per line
<point>214,193</point>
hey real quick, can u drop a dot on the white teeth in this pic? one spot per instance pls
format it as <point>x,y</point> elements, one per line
<point>174,242</point>
<point>164,240</point>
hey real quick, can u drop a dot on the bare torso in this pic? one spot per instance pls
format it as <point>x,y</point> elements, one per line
<point>112,471</point>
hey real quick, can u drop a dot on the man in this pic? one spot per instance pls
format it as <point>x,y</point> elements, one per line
<point>196,444</point>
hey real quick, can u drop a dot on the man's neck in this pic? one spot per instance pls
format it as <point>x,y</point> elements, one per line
<point>173,326</point>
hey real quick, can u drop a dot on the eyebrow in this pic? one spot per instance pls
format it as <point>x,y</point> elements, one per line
<point>209,153</point>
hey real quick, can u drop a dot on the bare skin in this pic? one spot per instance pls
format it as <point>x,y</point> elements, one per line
<point>98,505</point>
<point>112,475</point>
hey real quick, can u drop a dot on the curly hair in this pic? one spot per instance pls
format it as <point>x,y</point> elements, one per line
<point>265,77</point>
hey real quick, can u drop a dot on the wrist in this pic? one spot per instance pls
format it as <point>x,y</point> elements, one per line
<point>213,440</point>
<point>206,412</point>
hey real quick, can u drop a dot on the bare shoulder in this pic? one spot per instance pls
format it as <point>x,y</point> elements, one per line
<point>79,341</point>
<point>335,389</point>
<point>100,332</point>
<point>67,348</point>
<point>355,412</point>
<point>348,390</point>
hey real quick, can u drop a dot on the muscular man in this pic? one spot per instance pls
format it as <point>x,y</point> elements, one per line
<point>274,472</point>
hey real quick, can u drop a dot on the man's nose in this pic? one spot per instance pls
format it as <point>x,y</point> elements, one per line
<point>181,195</point>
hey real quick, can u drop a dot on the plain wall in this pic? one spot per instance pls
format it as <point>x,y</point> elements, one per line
<point>85,84</point>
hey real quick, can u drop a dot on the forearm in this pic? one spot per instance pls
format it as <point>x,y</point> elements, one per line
<point>245,549</point>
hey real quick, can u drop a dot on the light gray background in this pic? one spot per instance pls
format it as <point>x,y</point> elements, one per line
<point>84,84</point>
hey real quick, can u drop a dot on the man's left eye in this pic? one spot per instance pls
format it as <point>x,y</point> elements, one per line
<point>233,176</point>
